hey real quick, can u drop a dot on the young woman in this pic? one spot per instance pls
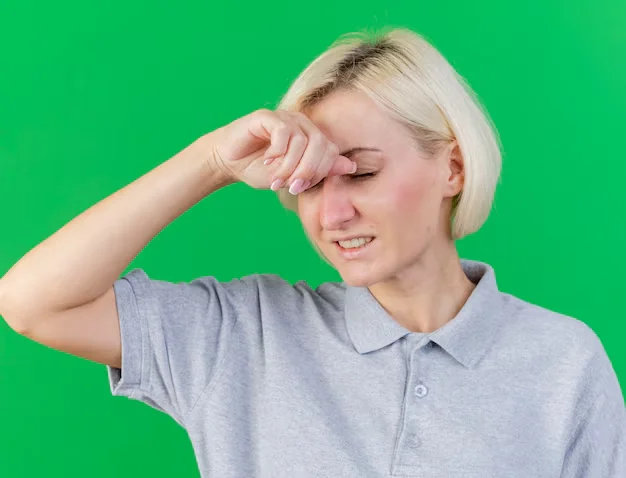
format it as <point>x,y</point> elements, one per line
<point>414,365</point>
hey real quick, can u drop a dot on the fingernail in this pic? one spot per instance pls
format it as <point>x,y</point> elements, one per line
<point>268,161</point>
<point>306,185</point>
<point>296,186</point>
<point>276,184</point>
<point>353,167</point>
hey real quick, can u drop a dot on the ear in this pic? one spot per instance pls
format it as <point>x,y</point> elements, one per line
<point>454,169</point>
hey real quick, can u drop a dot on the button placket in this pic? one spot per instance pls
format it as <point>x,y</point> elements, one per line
<point>420,390</point>
<point>413,441</point>
<point>409,451</point>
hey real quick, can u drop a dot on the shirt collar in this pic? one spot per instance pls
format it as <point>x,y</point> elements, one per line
<point>466,337</point>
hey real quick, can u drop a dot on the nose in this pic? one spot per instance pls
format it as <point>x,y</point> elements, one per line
<point>336,206</point>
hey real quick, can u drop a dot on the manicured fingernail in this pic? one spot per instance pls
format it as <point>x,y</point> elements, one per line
<point>276,184</point>
<point>296,186</point>
<point>306,186</point>
<point>268,161</point>
<point>353,167</point>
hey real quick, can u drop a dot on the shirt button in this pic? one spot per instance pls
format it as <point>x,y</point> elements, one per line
<point>421,390</point>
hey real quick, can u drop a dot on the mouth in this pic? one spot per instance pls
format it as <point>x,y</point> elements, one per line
<point>354,252</point>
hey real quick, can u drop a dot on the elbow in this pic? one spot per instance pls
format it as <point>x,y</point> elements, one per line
<point>16,326</point>
<point>8,311</point>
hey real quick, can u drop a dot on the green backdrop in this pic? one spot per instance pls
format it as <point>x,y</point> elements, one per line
<point>94,95</point>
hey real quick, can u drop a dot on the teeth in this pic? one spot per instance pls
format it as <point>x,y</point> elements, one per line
<point>355,242</point>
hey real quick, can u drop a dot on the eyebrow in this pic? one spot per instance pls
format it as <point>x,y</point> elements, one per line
<point>357,150</point>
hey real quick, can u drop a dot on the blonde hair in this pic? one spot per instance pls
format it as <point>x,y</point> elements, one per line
<point>415,85</point>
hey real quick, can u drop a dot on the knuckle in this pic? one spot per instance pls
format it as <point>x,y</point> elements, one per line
<point>299,137</point>
<point>317,138</point>
<point>283,127</point>
<point>306,171</point>
<point>282,176</point>
<point>284,171</point>
<point>263,112</point>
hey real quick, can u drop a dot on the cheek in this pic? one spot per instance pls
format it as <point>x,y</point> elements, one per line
<point>415,207</point>
<point>414,195</point>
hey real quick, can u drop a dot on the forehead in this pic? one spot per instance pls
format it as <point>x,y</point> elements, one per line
<point>352,119</point>
<point>344,103</point>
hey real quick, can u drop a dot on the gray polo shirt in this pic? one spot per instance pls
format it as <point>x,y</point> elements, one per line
<point>277,380</point>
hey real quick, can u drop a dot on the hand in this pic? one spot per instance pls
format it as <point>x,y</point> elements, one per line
<point>272,149</point>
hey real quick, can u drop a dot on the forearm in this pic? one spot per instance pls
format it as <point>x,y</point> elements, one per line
<point>80,261</point>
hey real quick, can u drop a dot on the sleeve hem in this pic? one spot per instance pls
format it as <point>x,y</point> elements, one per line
<point>128,380</point>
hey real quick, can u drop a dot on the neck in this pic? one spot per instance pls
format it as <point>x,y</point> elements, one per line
<point>427,294</point>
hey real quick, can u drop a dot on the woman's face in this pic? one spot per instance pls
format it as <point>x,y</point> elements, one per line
<point>397,196</point>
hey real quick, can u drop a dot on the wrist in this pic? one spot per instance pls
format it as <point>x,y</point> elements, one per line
<point>208,145</point>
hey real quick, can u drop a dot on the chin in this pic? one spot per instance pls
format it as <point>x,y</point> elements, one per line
<point>358,278</point>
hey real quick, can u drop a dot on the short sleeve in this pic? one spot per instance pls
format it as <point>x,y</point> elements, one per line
<point>597,445</point>
<point>174,337</point>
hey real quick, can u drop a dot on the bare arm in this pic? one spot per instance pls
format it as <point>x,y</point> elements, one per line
<point>61,293</point>
<point>70,275</point>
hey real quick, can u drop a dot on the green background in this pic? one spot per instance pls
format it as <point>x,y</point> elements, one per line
<point>94,96</point>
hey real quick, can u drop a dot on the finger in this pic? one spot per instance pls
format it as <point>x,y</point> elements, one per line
<point>339,165</point>
<point>279,143</point>
<point>298,141</point>
<point>324,165</point>
<point>309,168</point>
<point>265,124</point>
<point>342,165</point>
<point>279,140</point>
<point>333,165</point>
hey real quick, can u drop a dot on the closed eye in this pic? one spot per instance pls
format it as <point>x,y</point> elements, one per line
<point>355,176</point>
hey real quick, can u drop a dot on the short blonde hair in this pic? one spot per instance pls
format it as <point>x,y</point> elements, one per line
<point>413,83</point>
